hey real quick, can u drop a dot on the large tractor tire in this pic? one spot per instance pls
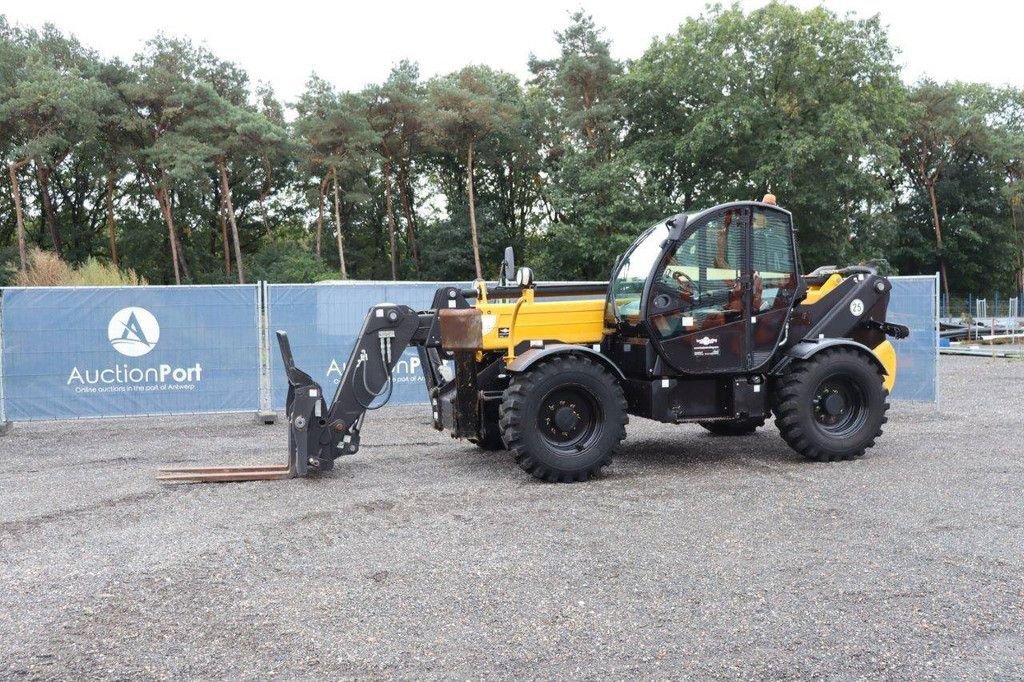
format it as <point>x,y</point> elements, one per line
<point>832,406</point>
<point>489,437</point>
<point>564,418</point>
<point>734,427</point>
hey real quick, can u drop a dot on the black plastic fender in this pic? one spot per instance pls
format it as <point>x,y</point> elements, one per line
<point>807,348</point>
<point>530,357</point>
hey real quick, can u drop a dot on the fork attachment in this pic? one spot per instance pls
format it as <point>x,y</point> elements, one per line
<point>317,433</point>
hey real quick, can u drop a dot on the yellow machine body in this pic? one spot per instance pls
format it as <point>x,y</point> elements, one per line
<point>885,351</point>
<point>816,292</point>
<point>506,323</point>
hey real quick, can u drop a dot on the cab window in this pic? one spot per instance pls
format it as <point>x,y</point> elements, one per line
<point>629,280</point>
<point>699,284</point>
<point>773,260</point>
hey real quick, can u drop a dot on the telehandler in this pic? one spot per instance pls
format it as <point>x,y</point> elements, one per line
<point>705,319</point>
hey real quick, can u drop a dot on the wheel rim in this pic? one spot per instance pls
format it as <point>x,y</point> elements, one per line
<point>839,406</point>
<point>569,419</point>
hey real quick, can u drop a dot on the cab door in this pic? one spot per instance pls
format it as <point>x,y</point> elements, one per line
<point>775,282</point>
<point>700,299</point>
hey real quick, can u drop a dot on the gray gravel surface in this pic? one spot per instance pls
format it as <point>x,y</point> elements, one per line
<point>424,557</point>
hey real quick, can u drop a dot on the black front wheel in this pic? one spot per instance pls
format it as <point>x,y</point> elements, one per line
<point>832,406</point>
<point>563,418</point>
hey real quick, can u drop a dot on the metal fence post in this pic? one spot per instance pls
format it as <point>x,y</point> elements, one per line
<point>266,414</point>
<point>1011,314</point>
<point>4,424</point>
<point>937,301</point>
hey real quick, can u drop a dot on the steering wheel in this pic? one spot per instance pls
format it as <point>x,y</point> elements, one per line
<point>679,276</point>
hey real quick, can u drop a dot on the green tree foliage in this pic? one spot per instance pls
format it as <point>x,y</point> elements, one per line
<point>803,104</point>
<point>49,110</point>
<point>591,198</point>
<point>397,112</point>
<point>962,153</point>
<point>177,166</point>
<point>289,262</point>
<point>338,148</point>
<point>468,111</point>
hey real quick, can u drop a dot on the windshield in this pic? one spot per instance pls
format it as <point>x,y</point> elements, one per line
<point>628,284</point>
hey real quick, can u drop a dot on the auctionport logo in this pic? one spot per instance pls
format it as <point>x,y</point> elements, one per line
<point>133,331</point>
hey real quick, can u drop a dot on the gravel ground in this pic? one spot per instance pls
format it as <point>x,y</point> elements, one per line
<point>424,557</point>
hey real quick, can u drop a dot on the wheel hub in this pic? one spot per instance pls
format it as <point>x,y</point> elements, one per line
<point>566,417</point>
<point>834,404</point>
<point>839,406</point>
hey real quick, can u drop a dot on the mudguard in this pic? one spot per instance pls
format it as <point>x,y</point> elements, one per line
<point>806,349</point>
<point>530,357</point>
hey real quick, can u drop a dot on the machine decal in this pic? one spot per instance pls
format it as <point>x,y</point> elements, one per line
<point>707,346</point>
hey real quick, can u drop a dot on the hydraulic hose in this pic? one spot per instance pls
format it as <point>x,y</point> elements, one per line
<point>389,385</point>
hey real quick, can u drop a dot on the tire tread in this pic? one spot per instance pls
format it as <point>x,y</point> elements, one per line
<point>792,389</point>
<point>512,413</point>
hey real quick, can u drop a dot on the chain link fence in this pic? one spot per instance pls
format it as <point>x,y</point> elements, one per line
<point>972,306</point>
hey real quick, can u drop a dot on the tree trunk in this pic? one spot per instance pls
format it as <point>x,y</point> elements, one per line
<point>165,208</point>
<point>43,175</point>
<point>18,212</point>
<point>337,221</point>
<point>320,217</point>
<point>225,245</point>
<point>186,275</point>
<point>472,211</point>
<point>163,200</point>
<point>111,225</point>
<point>225,193</point>
<point>1014,202</point>
<point>938,237</point>
<point>405,194</point>
<point>389,209</point>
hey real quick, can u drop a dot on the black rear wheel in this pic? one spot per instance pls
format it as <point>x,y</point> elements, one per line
<point>563,418</point>
<point>734,427</point>
<point>832,406</point>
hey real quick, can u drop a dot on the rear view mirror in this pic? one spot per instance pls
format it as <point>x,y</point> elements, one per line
<point>676,224</point>
<point>508,266</point>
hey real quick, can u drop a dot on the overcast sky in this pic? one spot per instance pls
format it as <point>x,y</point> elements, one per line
<point>354,44</point>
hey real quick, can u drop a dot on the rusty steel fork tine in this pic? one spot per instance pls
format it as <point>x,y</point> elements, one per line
<point>218,469</point>
<point>225,474</point>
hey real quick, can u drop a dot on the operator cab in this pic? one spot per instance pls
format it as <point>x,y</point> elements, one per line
<point>710,291</point>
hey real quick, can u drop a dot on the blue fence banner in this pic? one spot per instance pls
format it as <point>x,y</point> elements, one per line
<point>126,351</point>
<point>323,320</point>
<point>914,303</point>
